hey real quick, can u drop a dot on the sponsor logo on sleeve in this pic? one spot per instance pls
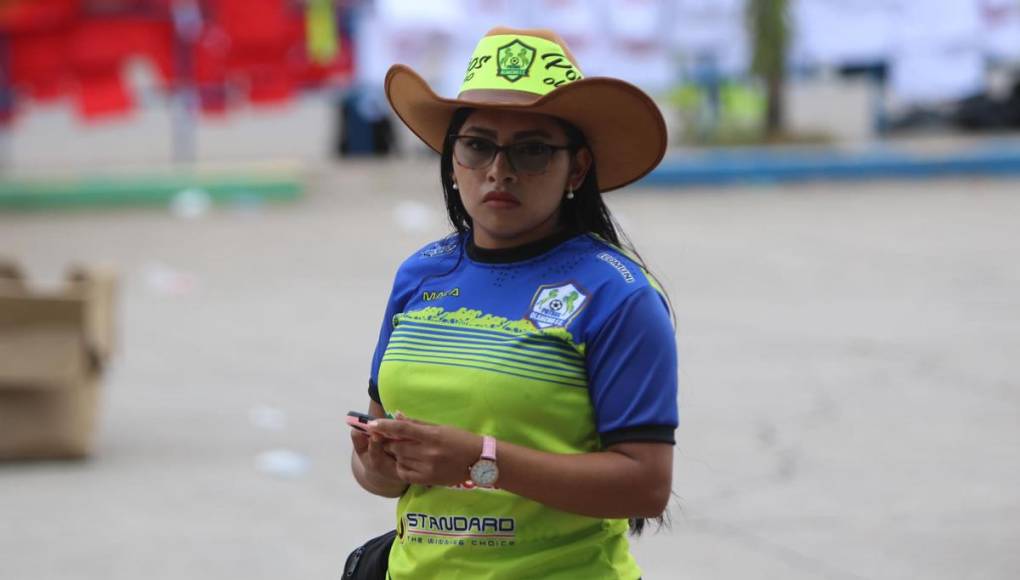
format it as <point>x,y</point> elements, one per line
<point>620,266</point>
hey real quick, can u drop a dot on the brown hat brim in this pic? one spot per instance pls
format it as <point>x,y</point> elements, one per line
<point>624,127</point>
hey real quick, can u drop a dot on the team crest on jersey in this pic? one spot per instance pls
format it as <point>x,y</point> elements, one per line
<point>556,305</point>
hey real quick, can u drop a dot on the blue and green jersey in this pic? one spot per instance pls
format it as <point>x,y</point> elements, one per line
<point>564,345</point>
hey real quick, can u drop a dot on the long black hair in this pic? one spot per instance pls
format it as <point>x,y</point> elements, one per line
<point>586,212</point>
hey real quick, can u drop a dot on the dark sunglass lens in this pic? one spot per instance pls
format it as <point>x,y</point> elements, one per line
<point>473,152</point>
<point>531,157</point>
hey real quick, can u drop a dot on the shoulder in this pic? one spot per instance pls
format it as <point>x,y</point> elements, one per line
<point>433,258</point>
<point>611,268</point>
<point>612,281</point>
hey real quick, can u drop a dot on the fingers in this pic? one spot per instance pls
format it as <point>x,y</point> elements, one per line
<point>402,417</point>
<point>360,440</point>
<point>413,451</point>
<point>415,462</point>
<point>379,448</point>
<point>413,473</point>
<point>372,450</point>
<point>405,451</point>
<point>379,461</point>
<point>398,429</point>
<point>408,475</point>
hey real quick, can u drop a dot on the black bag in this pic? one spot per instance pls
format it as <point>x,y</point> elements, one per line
<point>370,561</point>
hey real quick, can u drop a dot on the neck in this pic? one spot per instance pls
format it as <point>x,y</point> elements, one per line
<point>491,241</point>
<point>519,252</point>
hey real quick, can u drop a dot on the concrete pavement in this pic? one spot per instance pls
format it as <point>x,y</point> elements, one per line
<point>849,402</point>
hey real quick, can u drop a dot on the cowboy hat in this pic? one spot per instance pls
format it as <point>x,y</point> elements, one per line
<point>532,70</point>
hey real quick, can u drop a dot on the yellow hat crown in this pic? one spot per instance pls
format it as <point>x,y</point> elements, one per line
<point>521,63</point>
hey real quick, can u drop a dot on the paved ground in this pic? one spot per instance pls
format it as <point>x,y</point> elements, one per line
<point>850,408</point>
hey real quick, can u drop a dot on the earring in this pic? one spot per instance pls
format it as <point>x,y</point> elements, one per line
<point>570,191</point>
<point>455,188</point>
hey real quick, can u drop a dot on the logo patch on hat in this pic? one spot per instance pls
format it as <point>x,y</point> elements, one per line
<point>514,60</point>
<point>556,305</point>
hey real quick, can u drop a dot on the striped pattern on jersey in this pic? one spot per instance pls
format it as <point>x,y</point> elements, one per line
<point>465,339</point>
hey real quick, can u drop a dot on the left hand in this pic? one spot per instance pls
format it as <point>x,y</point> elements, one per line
<point>429,454</point>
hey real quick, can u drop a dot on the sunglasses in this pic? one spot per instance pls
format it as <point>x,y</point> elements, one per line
<point>525,157</point>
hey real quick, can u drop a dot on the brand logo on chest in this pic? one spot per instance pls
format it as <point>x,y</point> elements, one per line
<point>556,304</point>
<point>430,296</point>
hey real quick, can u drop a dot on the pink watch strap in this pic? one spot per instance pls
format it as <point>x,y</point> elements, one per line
<point>488,448</point>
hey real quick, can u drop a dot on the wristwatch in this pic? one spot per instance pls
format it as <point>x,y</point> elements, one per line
<point>485,472</point>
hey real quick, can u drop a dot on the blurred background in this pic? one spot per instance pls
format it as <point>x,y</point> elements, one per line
<point>203,203</point>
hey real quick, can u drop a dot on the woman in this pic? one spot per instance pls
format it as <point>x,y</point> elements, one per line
<point>529,363</point>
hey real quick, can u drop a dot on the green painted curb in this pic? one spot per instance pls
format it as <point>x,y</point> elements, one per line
<point>142,191</point>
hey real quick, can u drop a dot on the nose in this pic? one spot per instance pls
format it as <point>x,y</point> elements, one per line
<point>500,170</point>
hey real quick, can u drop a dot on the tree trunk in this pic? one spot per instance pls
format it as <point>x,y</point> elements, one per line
<point>775,113</point>
<point>768,25</point>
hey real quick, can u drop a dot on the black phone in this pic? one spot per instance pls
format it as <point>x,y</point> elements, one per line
<point>359,420</point>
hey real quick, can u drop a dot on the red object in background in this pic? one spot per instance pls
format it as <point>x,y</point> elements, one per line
<point>209,57</point>
<point>85,57</point>
<point>212,100</point>
<point>209,72</point>
<point>101,95</point>
<point>262,35</point>
<point>97,51</point>
<point>270,83</point>
<point>37,15</point>
<point>153,40</point>
<point>38,64</point>
<point>308,73</point>
<point>256,26</point>
<point>98,44</point>
<point>59,47</point>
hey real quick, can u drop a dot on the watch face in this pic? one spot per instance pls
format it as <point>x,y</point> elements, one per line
<point>484,472</point>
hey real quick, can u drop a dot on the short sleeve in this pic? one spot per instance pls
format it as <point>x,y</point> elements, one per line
<point>394,306</point>
<point>380,349</point>
<point>632,370</point>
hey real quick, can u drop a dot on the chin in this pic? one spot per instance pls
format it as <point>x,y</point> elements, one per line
<point>503,228</point>
<point>508,228</point>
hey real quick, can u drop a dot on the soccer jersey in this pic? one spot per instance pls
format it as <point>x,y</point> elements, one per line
<point>565,346</point>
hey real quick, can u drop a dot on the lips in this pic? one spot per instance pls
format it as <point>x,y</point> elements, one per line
<point>500,199</point>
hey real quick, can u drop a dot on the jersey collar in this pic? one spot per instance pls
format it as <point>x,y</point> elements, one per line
<point>518,253</point>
